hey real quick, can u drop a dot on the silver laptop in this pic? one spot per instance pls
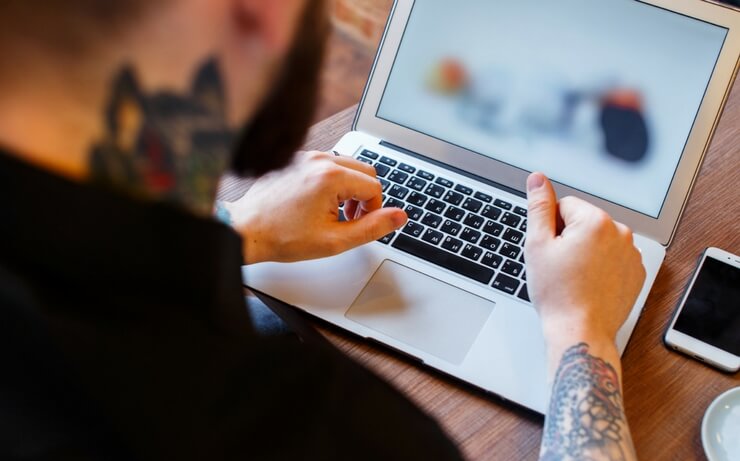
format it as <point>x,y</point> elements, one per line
<point>615,100</point>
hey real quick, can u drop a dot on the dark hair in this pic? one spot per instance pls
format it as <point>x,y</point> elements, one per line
<point>270,141</point>
<point>71,26</point>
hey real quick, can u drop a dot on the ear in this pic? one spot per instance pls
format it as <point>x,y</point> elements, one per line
<point>208,87</point>
<point>272,22</point>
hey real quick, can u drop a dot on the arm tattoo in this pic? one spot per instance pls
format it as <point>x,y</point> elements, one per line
<point>586,418</point>
<point>223,214</point>
<point>166,146</point>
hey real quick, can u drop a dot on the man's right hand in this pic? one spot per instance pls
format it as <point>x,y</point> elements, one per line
<point>583,269</point>
<point>584,276</point>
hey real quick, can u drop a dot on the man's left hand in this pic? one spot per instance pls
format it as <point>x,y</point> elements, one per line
<point>293,214</point>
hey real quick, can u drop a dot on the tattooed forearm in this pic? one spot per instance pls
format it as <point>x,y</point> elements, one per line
<point>166,146</point>
<point>586,418</point>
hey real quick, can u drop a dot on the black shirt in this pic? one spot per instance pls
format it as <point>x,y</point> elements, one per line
<point>124,335</point>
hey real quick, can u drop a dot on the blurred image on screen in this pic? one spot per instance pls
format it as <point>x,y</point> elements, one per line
<point>601,95</point>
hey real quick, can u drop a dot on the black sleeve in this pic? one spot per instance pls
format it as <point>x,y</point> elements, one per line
<point>172,387</point>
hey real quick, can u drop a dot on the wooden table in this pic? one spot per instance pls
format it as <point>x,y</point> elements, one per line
<point>666,393</point>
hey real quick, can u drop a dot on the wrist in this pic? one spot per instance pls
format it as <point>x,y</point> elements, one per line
<point>254,239</point>
<point>561,338</point>
<point>576,323</point>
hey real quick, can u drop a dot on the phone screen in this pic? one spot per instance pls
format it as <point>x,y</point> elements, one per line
<point>711,313</point>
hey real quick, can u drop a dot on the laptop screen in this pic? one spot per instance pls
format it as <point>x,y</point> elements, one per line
<point>601,95</point>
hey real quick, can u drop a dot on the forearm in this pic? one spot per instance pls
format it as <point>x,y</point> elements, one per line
<point>225,213</point>
<point>586,418</point>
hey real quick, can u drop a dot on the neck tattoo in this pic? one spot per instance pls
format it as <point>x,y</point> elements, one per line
<point>165,146</point>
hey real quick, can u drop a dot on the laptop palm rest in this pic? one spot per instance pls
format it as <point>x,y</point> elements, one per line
<point>420,311</point>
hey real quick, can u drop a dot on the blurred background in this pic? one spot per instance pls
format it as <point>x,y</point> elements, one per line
<point>357,28</point>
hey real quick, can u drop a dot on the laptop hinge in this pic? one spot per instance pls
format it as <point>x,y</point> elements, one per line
<point>454,169</point>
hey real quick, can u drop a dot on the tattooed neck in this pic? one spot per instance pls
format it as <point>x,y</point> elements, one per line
<point>586,418</point>
<point>165,146</point>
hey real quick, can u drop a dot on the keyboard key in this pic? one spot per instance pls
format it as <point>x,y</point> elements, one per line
<point>511,219</point>
<point>506,284</point>
<point>510,251</point>
<point>521,258</point>
<point>491,212</point>
<point>452,228</point>
<point>490,243</point>
<point>453,197</point>
<point>524,275</point>
<point>425,175</point>
<point>491,259</point>
<point>444,182</point>
<point>365,160</point>
<point>523,227</point>
<point>502,204</point>
<point>452,244</point>
<point>444,259</point>
<point>483,197</point>
<point>513,236</point>
<point>524,294</point>
<point>387,239</point>
<point>454,213</point>
<point>512,268</point>
<point>464,189</point>
<point>474,221</point>
<point>388,161</point>
<point>382,170</point>
<point>520,211</point>
<point>432,236</point>
<point>472,205</point>
<point>407,168</point>
<point>414,213</point>
<point>398,192</point>
<point>368,154</point>
<point>394,203</point>
<point>417,184</point>
<point>414,229</point>
<point>436,206</point>
<point>432,220</point>
<point>384,184</point>
<point>472,252</point>
<point>493,228</point>
<point>417,199</point>
<point>470,235</point>
<point>398,177</point>
<point>435,191</point>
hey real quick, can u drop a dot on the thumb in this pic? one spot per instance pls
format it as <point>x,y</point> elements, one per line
<point>371,226</point>
<point>543,205</point>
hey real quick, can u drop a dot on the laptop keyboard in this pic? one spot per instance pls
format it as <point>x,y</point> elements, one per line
<point>454,226</point>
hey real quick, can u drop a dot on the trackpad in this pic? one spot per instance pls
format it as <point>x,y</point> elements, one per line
<point>421,311</point>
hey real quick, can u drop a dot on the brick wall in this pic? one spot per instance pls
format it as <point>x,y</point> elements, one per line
<point>363,20</point>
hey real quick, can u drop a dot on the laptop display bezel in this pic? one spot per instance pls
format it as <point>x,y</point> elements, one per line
<point>662,228</point>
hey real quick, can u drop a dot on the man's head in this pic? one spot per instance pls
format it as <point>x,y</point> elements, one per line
<point>266,55</point>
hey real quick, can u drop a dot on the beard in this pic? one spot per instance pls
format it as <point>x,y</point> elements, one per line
<point>280,126</point>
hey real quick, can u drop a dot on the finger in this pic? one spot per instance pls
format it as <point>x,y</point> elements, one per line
<point>541,216</point>
<point>314,155</point>
<point>625,231</point>
<point>354,185</point>
<point>370,227</point>
<point>577,213</point>
<point>349,162</point>
<point>350,209</point>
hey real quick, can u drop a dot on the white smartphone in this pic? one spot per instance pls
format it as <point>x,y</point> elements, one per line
<point>706,325</point>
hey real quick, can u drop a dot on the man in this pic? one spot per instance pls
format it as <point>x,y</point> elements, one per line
<point>125,334</point>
